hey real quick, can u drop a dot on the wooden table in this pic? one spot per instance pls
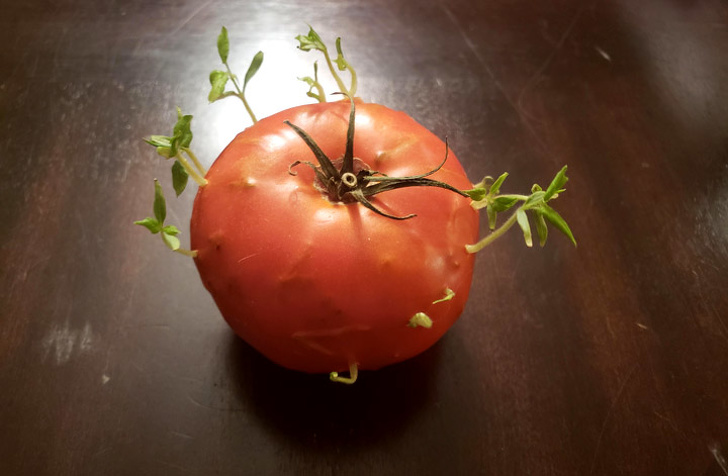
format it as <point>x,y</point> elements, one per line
<point>609,358</point>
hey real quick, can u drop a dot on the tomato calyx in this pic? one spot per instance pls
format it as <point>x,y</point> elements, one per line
<point>349,179</point>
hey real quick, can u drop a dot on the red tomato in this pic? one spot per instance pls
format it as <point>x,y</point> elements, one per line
<point>315,285</point>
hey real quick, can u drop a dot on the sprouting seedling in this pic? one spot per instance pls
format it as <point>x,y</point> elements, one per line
<point>219,79</point>
<point>535,203</point>
<point>313,41</point>
<point>353,375</point>
<point>314,83</point>
<point>156,225</point>
<point>177,146</point>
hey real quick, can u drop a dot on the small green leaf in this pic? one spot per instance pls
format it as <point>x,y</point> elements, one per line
<point>160,205</point>
<point>541,229</point>
<point>223,45</point>
<point>556,184</point>
<point>171,241</point>
<point>340,61</point>
<point>479,204</point>
<point>165,152</point>
<point>218,81</point>
<point>312,41</point>
<point>555,219</point>
<point>182,133</point>
<point>536,188</point>
<point>159,141</point>
<point>179,177</point>
<point>534,198</point>
<point>163,145</point>
<point>522,220</point>
<point>492,216</point>
<point>495,188</point>
<point>503,203</point>
<point>150,224</point>
<point>253,68</point>
<point>171,230</point>
<point>308,80</point>
<point>449,294</point>
<point>476,194</point>
<point>314,83</point>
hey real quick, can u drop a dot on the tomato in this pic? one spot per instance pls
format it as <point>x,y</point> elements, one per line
<point>317,285</point>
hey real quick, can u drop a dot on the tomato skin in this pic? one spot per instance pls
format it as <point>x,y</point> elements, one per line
<point>315,285</point>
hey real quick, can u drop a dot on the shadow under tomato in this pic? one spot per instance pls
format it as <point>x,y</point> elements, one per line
<point>312,411</point>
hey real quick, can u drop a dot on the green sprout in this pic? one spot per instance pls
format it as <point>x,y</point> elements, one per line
<point>314,83</point>
<point>536,204</point>
<point>219,79</point>
<point>177,146</point>
<point>313,41</point>
<point>156,225</point>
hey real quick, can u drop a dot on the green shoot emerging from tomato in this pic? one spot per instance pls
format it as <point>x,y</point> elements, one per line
<point>219,79</point>
<point>156,225</point>
<point>186,165</point>
<point>353,375</point>
<point>536,203</point>
<point>177,146</point>
<point>313,41</point>
<point>314,83</point>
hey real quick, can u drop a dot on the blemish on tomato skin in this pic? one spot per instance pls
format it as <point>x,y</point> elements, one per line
<point>385,263</point>
<point>319,340</point>
<point>325,215</point>
<point>216,239</point>
<point>244,182</point>
<point>245,258</point>
<point>272,142</point>
<point>332,332</point>
<point>382,155</point>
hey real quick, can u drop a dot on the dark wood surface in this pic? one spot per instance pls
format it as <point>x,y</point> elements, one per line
<point>611,358</point>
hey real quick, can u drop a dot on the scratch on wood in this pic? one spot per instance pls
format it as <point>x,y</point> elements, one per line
<point>471,46</point>
<point>719,458</point>
<point>211,407</point>
<point>181,435</point>
<point>516,107</point>
<point>608,417</point>
<point>175,466</point>
<point>61,341</point>
<point>666,420</point>
<point>465,37</point>
<point>550,58</point>
<point>609,328</point>
<point>190,17</point>
<point>603,54</point>
<point>722,325</point>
